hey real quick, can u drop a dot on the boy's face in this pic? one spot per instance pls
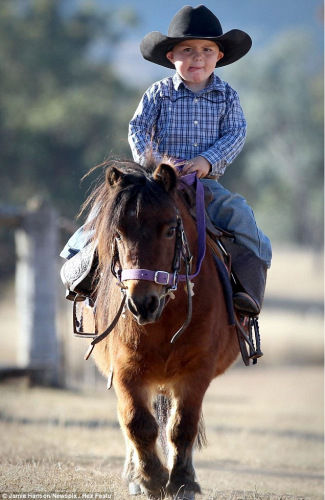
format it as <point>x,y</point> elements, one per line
<point>195,61</point>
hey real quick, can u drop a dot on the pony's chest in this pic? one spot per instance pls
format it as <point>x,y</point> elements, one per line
<point>167,362</point>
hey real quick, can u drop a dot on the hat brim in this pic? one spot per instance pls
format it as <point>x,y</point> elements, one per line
<point>235,44</point>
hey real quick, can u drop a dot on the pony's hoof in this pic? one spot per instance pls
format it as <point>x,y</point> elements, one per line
<point>134,489</point>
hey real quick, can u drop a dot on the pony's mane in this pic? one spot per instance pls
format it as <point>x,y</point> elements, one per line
<point>136,188</point>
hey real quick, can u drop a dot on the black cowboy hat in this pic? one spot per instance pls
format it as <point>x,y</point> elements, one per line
<point>195,23</point>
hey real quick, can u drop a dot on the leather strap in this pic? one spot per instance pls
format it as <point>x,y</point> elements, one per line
<point>108,330</point>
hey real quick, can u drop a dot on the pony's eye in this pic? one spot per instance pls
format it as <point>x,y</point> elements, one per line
<point>118,236</point>
<point>171,232</point>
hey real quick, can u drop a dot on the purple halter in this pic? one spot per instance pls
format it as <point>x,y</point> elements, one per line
<point>170,279</point>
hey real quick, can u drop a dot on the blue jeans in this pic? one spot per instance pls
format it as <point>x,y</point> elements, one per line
<point>78,240</point>
<point>227,210</point>
<point>231,212</point>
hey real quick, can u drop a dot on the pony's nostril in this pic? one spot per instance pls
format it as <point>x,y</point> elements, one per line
<point>152,303</point>
<point>144,306</point>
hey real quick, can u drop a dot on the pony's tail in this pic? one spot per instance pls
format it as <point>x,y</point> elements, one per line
<point>201,438</point>
<point>162,407</point>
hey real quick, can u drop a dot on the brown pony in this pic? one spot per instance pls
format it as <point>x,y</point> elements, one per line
<point>138,210</point>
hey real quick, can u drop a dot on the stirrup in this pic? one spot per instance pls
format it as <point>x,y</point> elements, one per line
<point>78,329</point>
<point>248,334</point>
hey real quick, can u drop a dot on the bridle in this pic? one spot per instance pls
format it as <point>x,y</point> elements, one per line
<point>164,278</point>
<point>182,251</point>
<point>167,279</point>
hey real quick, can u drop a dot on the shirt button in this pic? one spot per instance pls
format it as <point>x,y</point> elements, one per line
<point>195,144</point>
<point>195,100</point>
<point>195,122</point>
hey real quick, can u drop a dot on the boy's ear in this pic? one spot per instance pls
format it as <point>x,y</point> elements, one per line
<point>170,56</point>
<point>220,55</point>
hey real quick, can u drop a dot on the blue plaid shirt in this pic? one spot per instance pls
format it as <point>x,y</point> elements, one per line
<point>174,121</point>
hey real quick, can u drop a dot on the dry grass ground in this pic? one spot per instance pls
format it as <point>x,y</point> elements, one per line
<point>264,423</point>
<point>264,429</point>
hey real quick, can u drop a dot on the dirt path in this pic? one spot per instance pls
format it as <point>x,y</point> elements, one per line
<point>264,427</point>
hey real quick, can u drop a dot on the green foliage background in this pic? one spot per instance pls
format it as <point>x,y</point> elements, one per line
<point>62,111</point>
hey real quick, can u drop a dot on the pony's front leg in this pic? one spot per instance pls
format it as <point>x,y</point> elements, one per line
<point>143,466</point>
<point>182,430</point>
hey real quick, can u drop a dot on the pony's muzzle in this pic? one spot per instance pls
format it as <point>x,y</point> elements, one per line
<point>145,308</point>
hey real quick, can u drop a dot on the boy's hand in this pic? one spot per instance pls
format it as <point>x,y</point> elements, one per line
<point>199,165</point>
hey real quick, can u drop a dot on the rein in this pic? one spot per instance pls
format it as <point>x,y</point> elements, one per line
<point>165,278</point>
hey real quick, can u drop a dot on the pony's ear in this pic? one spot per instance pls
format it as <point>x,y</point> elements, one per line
<point>166,176</point>
<point>114,175</point>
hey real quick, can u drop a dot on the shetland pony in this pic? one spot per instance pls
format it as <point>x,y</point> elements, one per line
<point>138,213</point>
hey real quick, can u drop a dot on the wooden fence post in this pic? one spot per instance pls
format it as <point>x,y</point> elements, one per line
<point>36,292</point>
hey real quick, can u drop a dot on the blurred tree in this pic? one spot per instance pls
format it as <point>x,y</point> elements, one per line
<point>62,109</point>
<point>281,167</point>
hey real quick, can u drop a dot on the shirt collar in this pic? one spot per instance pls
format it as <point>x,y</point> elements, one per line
<point>215,84</point>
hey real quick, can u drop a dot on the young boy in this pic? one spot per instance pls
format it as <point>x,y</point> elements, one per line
<point>196,120</point>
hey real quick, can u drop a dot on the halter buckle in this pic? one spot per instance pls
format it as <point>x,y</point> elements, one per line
<point>175,279</point>
<point>161,277</point>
